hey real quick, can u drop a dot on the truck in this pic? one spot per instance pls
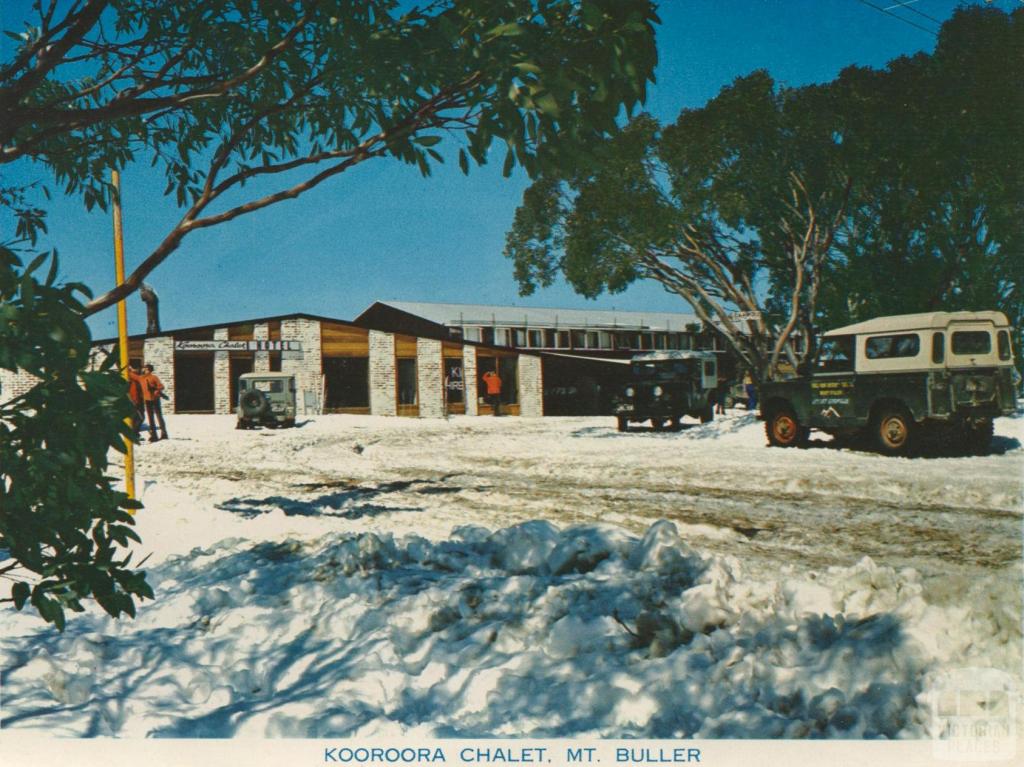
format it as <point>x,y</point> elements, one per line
<point>900,381</point>
<point>667,385</point>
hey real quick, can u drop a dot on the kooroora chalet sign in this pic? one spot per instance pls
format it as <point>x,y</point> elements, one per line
<point>237,346</point>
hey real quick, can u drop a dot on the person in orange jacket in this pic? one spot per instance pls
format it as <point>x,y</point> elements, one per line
<point>135,387</point>
<point>152,391</point>
<point>493,382</point>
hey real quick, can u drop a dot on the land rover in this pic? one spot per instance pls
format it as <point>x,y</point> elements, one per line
<point>902,381</point>
<point>266,399</point>
<point>667,385</point>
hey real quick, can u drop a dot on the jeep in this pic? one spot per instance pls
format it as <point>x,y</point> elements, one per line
<point>900,381</point>
<point>667,385</point>
<point>266,399</point>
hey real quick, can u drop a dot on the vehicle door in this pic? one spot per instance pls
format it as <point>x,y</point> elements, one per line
<point>831,399</point>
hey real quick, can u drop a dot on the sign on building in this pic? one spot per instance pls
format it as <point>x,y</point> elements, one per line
<point>742,316</point>
<point>237,346</point>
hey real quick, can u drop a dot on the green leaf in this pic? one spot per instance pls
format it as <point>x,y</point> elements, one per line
<point>427,140</point>
<point>20,592</point>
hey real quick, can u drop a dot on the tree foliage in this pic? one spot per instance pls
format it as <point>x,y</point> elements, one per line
<point>221,94</point>
<point>64,528</point>
<point>242,104</point>
<point>882,192</point>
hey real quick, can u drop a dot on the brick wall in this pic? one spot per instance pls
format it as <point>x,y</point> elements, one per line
<point>531,387</point>
<point>159,352</point>
<point>430,378</point>
<point>15,384</point>
<point>221,376</point>
<point>469,379</point>
<point>383,397</point>
<point>305,365</point>
<point>261,360</point>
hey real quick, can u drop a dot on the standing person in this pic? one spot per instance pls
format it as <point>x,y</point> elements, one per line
<point>493,382</point>
<point>720,399</point>
<point>135,389</point>
<point>748,385</point>
<point>152,391</point>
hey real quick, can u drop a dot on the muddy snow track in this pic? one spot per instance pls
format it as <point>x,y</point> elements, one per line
<point>729,494</point>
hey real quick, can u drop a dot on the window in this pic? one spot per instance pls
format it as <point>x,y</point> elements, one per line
<point>407,381</point>
<point>549,339</point>
<point>518,337</point>
<point>888,347</point>
<point>536,339</point>
<point>938,347</point>
<point>592,340</point>
<point>972,342</point>
<point>487,335</point>
<point>1004,345</point>
<point>563,339</point>
<point>453,380</point>
<point>579,339</point>
<point>659,340</point>
<point>835,355</point>
<point>606,339</point>
<point>347,380</point>
<point>471,333</point>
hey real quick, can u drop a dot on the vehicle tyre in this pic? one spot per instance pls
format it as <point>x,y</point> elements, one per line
<point>658,424</point>
<point>707,415</point>
<point>979,437</point>
<point>253,404</point>
<point>623,423</point>
<point>783,430</point>
<point>676,423</point>
<point>893,431</point>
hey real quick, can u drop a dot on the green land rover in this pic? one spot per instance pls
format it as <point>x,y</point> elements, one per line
<point>901,381</point>
<point>667,385</point>
<point>266,399</point>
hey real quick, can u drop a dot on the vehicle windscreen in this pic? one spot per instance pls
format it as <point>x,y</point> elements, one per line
<point>271,387</point>
<point>835,355</point>
<point>663,368</point>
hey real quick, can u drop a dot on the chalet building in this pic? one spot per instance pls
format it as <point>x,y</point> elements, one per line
<point>340,367</point>
<point>583,351</point>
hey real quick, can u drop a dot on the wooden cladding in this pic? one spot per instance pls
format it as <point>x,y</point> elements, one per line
<point>343,340</point>
<point>405,346</point>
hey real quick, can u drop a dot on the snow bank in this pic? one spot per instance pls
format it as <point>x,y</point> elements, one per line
<point>529,630</point>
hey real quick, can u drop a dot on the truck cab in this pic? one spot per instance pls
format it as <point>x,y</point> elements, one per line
<point>899,380</point>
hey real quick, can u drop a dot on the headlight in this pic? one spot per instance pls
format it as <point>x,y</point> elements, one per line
<point>629,391</point>
<point>657,391</point>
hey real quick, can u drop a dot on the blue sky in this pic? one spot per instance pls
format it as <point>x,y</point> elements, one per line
<point>381,231</point>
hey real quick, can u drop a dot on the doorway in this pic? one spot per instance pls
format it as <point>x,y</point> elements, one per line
<point>193,383</point>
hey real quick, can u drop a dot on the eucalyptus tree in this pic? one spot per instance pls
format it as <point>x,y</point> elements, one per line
<point>775,210</point>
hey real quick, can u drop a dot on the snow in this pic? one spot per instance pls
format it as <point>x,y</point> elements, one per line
<point>366,577</point>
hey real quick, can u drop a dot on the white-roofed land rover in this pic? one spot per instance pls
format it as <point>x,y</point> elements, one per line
<point>903,381</point>
<point>266,399</point>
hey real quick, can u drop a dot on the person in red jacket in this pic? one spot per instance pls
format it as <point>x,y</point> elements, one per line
<point>152,391</point>
<point>493,382</point>
<point>138,400</point>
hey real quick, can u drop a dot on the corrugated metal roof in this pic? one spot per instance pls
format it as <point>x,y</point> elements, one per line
<point>520,316</point>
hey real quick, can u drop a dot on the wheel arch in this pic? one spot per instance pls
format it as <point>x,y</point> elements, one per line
<point>886,404</point>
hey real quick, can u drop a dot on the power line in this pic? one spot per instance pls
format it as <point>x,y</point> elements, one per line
<point>880,9</point>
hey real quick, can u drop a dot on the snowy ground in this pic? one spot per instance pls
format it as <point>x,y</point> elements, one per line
<point>365,576</point>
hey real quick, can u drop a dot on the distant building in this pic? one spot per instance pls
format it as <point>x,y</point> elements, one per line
<point>581,332</point>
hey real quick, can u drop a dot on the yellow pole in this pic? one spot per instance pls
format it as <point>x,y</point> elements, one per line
<point>122,329</point>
